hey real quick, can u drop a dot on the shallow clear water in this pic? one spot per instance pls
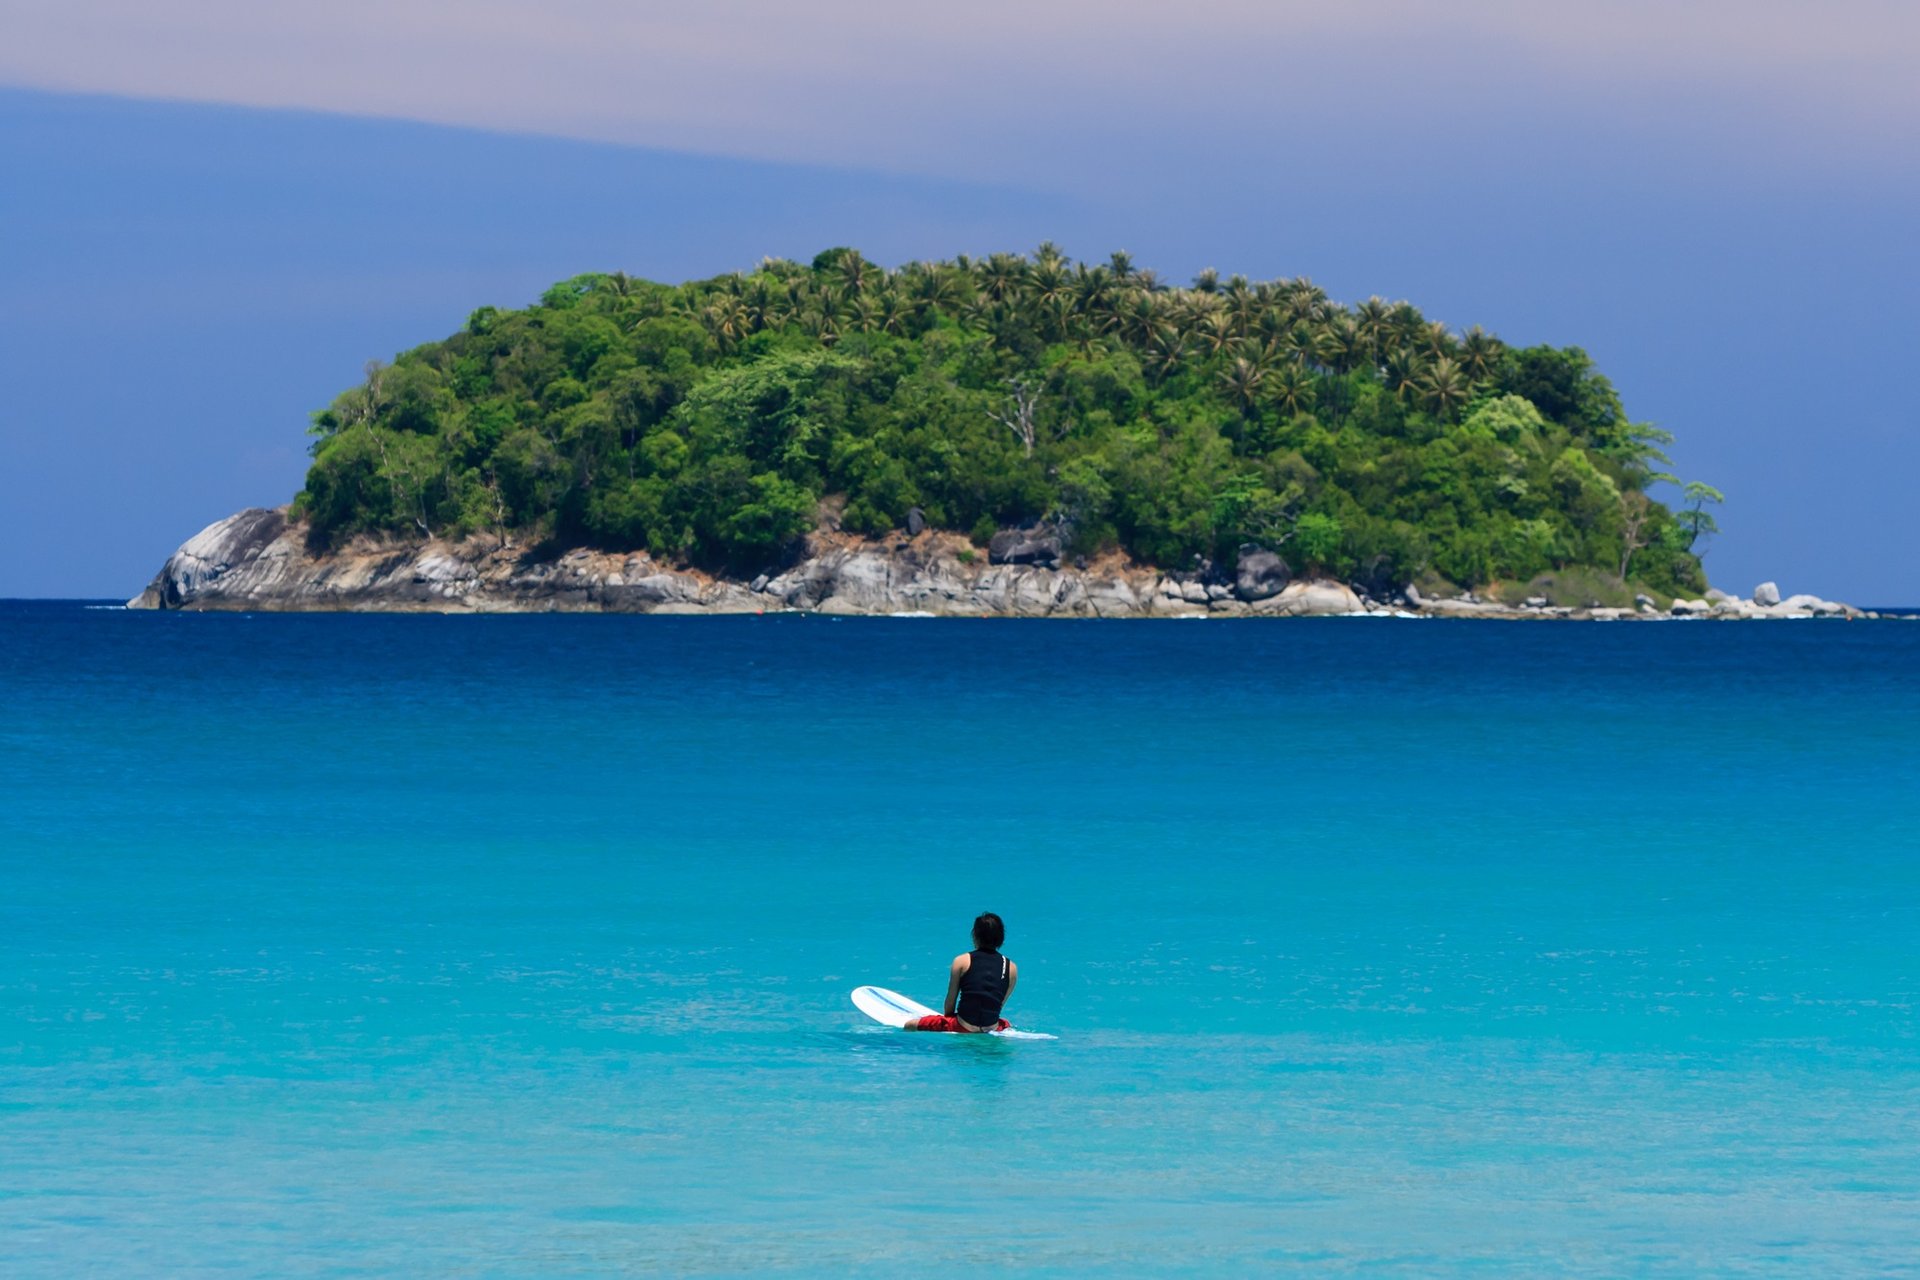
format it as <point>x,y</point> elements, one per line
<point>521,946</point>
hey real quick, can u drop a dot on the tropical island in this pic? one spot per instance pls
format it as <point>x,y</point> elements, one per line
<point>1014,433</point>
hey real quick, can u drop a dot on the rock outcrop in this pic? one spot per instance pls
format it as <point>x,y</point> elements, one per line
<point>211,554</point>
<point>260,560</point>
<point>1259,575</point>
<point>1024,546</point>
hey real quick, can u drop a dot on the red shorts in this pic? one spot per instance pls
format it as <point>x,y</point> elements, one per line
<point>947,1022</point>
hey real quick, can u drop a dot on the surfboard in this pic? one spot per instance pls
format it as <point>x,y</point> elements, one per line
<point>892,1009</point>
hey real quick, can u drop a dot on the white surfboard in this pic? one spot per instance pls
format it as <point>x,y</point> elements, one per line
<point>892,1009</point>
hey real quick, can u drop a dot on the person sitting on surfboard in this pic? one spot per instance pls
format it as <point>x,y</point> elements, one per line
<point>978,984</point>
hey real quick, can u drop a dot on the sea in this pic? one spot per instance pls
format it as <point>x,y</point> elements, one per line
<point>426,946</point>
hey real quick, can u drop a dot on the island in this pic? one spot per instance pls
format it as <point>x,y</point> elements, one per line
<point>1019,434</point>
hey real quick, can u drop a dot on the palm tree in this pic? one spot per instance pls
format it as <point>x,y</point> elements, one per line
<point>1058,316</point>
<point>1002,277</point>
<point>763,303</point>
<point>853,272</point>
<point>1408,324</point>
<point>1139,314</point>
<point>1292,390</point>
<point>1302,344</point>
<point>1403,372</point>
<point>1244,380</point>
<point>1480,353</point>
<point>1208,281</point>
<point>896,311</point>
<point>1215,332</point>
<point>1166,351</point>
<point>1338,345</point>
<point>1242,305</point>
<point>983,314</point>
<point>1373,323</point>
<point>867,312</point>
<point>1093,295</point>
<point>936,289</point>
<point>1444,387</point>
<point>1272,328</point>
<point>1048,284</point>
<point>726,318</point>
<point>1305,301</point>
<point>1120,264</point>
<point>822,323</point>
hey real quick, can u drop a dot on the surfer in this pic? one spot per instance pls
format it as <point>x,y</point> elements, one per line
<point>978,984</point>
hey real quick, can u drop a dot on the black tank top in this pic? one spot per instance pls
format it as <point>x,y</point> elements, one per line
<point>983,989</point>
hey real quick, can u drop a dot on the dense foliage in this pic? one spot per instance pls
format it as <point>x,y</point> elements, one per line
<point>709,421</point>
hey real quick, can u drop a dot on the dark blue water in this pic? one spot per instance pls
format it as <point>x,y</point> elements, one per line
<point>521,946</point>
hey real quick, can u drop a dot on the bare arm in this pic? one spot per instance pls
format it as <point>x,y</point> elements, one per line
<point>1013,978</point>
<point>958,971</point>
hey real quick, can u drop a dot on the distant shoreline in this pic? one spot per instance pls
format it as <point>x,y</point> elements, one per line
<point>258,560</point>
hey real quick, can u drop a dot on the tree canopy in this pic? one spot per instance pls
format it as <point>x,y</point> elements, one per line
<point>707,422</point>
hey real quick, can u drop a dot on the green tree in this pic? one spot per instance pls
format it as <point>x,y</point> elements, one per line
<point>709,421</point>
<point>1694,519</point>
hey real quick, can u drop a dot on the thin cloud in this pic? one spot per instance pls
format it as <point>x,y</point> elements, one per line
<point>998,89</point>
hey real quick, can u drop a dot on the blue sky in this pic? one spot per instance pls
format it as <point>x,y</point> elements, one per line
<point>192,259</point>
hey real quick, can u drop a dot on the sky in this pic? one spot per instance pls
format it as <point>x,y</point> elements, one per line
<point>214,212</point>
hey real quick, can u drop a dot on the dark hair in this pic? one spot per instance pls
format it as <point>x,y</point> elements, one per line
<point>988,931</point>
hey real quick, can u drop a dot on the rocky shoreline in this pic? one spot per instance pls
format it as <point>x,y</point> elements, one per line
<point>258,560</point>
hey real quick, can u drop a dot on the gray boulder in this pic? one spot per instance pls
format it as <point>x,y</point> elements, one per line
<point>1766,595</point>
<point>916,522</point>
<point>1024,546</point>
<point>1259,574</point>
<point>210,555</point>
<point>1716,596</point>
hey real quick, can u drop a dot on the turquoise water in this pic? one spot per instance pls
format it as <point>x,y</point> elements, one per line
<point>360,946</point>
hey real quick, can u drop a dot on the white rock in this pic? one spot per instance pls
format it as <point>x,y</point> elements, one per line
<point>1766,594</point>
<point>1316,599</point>
<point>1812,604</point>
<point>1112,599</point>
